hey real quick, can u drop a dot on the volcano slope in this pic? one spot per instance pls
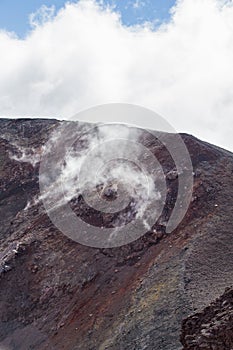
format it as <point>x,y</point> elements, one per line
<point>159,292</point>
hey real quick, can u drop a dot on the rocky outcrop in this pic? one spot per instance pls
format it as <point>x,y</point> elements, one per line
<point>58,294</point>
<point>212,328</point>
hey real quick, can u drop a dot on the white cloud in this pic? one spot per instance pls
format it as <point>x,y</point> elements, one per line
<point>41,16</point>
<point>84,56</point>
<point>138,4</point>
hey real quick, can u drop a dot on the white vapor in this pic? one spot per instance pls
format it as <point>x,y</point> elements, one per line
<point>84,56</point>
<point>99,165</point>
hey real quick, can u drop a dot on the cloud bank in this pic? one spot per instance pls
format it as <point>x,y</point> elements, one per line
<point>84,56</point>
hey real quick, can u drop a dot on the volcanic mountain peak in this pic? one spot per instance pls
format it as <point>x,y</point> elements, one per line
<point>58,294</point>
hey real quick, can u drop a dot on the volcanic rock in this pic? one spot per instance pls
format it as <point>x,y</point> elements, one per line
<point>161,292</point>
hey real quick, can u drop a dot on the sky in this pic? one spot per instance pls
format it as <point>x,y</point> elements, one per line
<point>15,14</point>
<point>172,57</point>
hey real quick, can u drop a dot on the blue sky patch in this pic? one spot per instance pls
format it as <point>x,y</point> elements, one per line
<point>14,14</point>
